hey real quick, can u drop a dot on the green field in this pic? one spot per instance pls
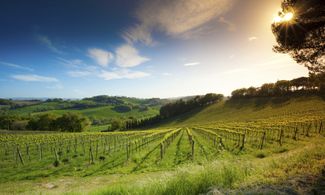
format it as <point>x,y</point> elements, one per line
<point>98,112</point>
<point>227,147</point>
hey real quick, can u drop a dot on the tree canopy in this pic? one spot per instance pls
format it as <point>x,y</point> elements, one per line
<point>314,85</point>
<point>302,35</point>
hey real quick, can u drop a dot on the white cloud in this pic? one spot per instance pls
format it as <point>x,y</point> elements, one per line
<point>253,38</point>
<point>122,74</point>
<point>16,66</point>
<point>48,43</point>
<point>102,57</point>
<point>34,78</point>
<point>173,18</point>
<point>192,64</point>
<point>128,56</point>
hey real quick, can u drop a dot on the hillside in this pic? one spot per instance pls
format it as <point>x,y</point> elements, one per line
<point>251,109</point>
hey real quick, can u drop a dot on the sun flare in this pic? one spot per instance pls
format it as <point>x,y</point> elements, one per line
<point>284,18</point>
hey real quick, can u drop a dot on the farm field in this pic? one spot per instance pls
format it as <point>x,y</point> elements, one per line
<point>129,155</point>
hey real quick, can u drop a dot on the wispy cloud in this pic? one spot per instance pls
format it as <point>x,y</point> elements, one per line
<point>56,86</point>
<point>70,62</point>
<point>16,66</point>
<point>79,73</point>
<point>49,44</point>
<point>128,56</point>
<point>34,78</point>
<point>173,18</point>
<point>123,74</point>
<point>230,26</point>
<point>192,64</point>
<point>166,74</point>
<point>102,57</point>
<point>252,38</point>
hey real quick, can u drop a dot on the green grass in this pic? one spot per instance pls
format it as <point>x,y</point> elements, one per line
<point>97,128</point>
<point>107,112</point>
<point>232,173</point>
<point>252,109</point>
<point>177,173</point>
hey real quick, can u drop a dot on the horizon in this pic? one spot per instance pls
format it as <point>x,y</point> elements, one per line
<point>136,49</point>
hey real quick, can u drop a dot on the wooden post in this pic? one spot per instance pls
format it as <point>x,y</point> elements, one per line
<point>320,127</point>
<point>127,151</point>
<point>281,135</point>
<point>27,151</point>
<point>19,155</point>
<point>193,149</point>
<point>161,150</point>
<point>96,150</point>
<point>308,130</point>
<point>243,142</point>
<point>91,155</point>
<point>263,140</point>
<point>295,134</point>
<point>56,155</point>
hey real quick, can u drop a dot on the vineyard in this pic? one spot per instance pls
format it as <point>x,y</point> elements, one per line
<point>84,154</point>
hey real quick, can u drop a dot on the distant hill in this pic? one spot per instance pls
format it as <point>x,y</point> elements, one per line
<point>99,109</point>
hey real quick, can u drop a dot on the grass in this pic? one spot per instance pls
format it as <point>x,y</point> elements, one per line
<point>233,174</point>
<point>211,170</point>
<point>252,109</point>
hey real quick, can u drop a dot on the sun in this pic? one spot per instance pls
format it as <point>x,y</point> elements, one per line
<point>283,18</point>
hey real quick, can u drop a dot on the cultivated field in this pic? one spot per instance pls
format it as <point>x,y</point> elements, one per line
<point>39,157</point>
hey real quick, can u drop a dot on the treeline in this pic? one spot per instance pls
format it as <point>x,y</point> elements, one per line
<point>174,109</point>
<point>314,84</point>
<point>68,122</point>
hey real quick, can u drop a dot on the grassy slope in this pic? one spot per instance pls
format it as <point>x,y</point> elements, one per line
<point>252,109</point>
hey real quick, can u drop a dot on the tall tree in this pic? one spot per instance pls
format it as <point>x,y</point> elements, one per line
<point>300,31</point>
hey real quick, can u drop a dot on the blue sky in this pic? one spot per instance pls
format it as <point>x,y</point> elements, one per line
<point>147,48</point>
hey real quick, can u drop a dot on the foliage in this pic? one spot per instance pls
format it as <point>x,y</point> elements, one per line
<point>314,84</point>
<point>176,108</point>
<point>122,108</point>
<point>303,37</point>
<point>72,122</point>
<point>116,124</point>
<point>69,122</point>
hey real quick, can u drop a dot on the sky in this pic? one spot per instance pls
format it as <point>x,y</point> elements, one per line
<point>138,48</point>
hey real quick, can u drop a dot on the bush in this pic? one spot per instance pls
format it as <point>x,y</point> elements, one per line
<point>122,108</point>
<point>71,122</point>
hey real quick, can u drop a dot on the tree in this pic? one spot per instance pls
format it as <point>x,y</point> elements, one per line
<point>267,89</point>
<point>72,122</point>
<point>117,124</point>
<point>239,93</point>
<point>300,32</point>
<point>282,87</point>
<point>6,121</point>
